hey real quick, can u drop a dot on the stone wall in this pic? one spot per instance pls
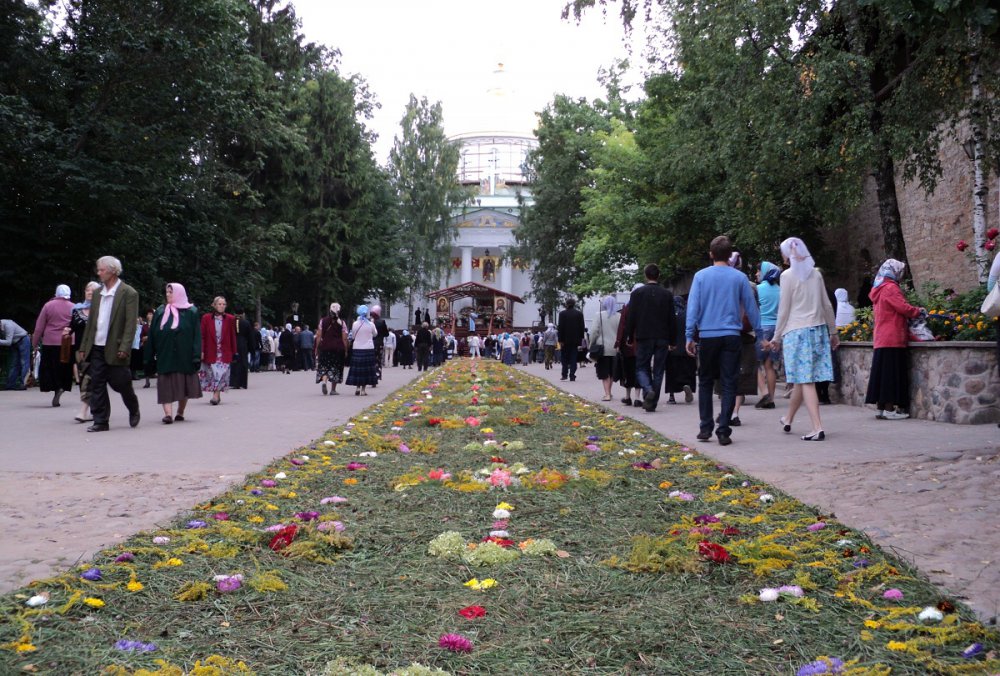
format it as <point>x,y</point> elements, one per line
<point>932,225</point>
<point>953,382</point>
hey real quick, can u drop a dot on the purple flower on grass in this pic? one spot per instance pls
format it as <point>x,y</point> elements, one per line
<point>593,437</point>
<point>229,584</point>
<point>892,595</point>
<point>706,518</point>
<point>861,563</point>
<point>256,491</point>
<point>356,465</point>
<point>819,525</point>
<point>124,556</point>
<point>307,516</point>
<point>331,525</point>
<point>93,574</point>
<point>134,646</point>
<point>195,523</point>
<point>268,483</point>
<point>830,665</point>
<point>972,651</point>
<point>455,643</point>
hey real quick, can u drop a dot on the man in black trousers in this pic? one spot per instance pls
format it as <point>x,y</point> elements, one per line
<point>652,329</point>
<point>570,329</point>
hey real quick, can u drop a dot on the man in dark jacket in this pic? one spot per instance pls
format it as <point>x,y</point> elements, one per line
<point>423,345</point>
<point>652,329</point>
<point>244,339</point>
<point>570,329</point>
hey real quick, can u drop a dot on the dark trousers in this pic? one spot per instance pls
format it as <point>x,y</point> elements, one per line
<point>718,358</point>
<point>238,371</point>
<point>423,355</point>
<point>569,353</point>
<point>650,365</point>
<point>120,380</point>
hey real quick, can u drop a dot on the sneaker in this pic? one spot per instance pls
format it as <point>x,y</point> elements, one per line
<point>704,436</point>
<point>724,440</point>
<point>763,402</point>
<point>735,422</point>
<point>895,415</point>
<point>688,395</point>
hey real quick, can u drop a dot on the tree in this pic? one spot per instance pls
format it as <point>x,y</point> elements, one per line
<point>423,166</point>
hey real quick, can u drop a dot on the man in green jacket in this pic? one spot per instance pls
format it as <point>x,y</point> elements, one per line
<point>107,344</point>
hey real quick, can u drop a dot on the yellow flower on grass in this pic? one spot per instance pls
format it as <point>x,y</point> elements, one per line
<point>256,519</point>
<point>93,603</point>
<point>174,561</point>
<point>898,646</point>
<point>350,482</point>
<point>505,505</point>
<point>481,584</point>
<point>872,624</point>
<point>134,586</point>
<point>666,484</point>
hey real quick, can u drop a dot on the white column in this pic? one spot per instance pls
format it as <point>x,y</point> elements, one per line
<point>505,271</point>
<point>466,264</point>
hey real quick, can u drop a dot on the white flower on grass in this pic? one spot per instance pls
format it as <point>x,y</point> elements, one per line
<point>501,514</point>
<point>766,497</point>
<point>280,475</point>
<point>768,594</point>
<point>930,614</point>
<point>330,443</point>
<point>37,600</point>
<point>688,456</point>
<point>368,454</point>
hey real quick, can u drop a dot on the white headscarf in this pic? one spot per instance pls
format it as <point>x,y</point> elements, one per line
<point>609,304</point>
<point>62,291</point>
<point>795,250</point>
<point>845,311</point>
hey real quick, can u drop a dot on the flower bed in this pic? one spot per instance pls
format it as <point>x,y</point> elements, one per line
<point>952,382</point>
<point>482,521</point>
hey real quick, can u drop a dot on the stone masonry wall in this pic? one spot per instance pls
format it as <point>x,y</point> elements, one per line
<point>953,382</point>
<point>932,225</point>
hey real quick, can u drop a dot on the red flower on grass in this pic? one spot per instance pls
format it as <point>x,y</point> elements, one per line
<point>506,543</point>
<point>713,552</point>
<point>434,421</point>
<point>472,612</point>
<point>283,538</point>
<point>498,459</point>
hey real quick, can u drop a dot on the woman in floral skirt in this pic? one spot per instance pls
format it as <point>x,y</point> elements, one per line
<point>218,346</point>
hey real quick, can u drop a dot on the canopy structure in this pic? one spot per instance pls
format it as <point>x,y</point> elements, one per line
<point>491,308</point>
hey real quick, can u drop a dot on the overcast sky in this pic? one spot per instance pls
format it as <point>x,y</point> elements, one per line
<point>447,51</point>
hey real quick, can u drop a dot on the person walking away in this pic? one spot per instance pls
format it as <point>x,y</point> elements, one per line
<point>135,360</point>
<point>17,339</point>
<point>52,329</point>
<point>652,330</point>
<point>406,350</point>
<point>331,350</point>
<point>77,325</point>
<point>889,382</point>
<point>307,341</point>
<point>549,341</point>
<point>682,369</point>
<point>382,332</point>
<point>389,347</point>
<point>525,347</point>
<point>363,368</point>
<point>239,372</point>
<point>507,346</point>
<point>768,296</point>
<point>147,370</point>
<point>174,343</point>
<point>474,346</point>
<point>297,363</point>
<point>218,349</point>
<point>604,333</point>
<point>807,332</point>
<point>625,364</point>
<point>266,348</point>
<point>570,329</point>
<point>423,346</point>
<point>107,344</point>
<point>720,295</point>
<point>746,382</point>
<point>256,345</point>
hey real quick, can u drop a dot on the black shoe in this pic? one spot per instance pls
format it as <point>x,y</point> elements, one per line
<point>98,428</point>
<point>133,419</point>
<point>637,402</point>
<point>55,397</point>
<point>649,398</point>
<point>627,401</point>
<point>704,436</point>
<point>563,378</point>
<point>725,440</point>
<point>818,436</point>
<point>572,379</point>
<point>671,400</point>
<point>735,422</point>
<point>325,388</point>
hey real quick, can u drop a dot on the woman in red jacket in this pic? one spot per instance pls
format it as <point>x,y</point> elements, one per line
<point>889,382</point>
<point>218,345</point>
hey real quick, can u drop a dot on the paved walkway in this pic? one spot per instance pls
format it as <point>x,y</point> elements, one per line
<point>926,491</point>
<point>923,490</point>
<point>65,494</point>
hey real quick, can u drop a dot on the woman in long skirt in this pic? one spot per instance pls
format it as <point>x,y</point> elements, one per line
<point>364,370</point>
<point>331,350</point>
<point>889,382</point>
<point>682,369</point>
<point>218,348</point>
<point>806,331</point>
<point>174,342</point>
<point>625,364</point>
<point>54,375</point>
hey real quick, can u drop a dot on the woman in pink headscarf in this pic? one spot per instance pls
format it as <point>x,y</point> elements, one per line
<point>175,343</point>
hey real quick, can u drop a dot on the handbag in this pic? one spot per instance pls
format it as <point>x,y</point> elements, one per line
<point>66,349</point>
<point>991,305</point>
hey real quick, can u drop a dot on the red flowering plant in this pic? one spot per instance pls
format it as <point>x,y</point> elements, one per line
<point>283,538</point>
<point>472,612</point>
<point>713,552</point>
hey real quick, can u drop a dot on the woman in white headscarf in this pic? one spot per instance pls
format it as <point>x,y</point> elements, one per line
<point>331,350</point>
<point>55,374</point>
<point>604,332</point>
<point>807,331</point>
<point>845,311</point>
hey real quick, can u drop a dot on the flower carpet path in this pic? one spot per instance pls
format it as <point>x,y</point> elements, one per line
<point>925,490</point>
<point>481,521</point>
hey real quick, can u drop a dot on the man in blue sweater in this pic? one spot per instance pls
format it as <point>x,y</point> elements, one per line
<point>720,297</point>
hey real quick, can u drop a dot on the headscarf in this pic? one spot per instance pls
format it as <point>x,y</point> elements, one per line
<point>769,272</point>
<point>550,325</point>
<point>405,332</point>
<point>335,308</point>
<point>795,250</point>
<point>62,291</point>
<point>845,311</point>
<point>180,302</point>
<point>362,313</point>
<point>376,310</point>
<point>288,327</point>
<point>891,269</point>
<point>736,260</point>
<point>609,304</point>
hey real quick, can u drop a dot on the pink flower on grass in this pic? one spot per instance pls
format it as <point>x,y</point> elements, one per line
<point>819,525</point>
<point>892,595</point>
<point>456,643</point>
<point>335,499</point>
<point>500,477</point>
<point>472,421</point>
<point>229,583</point>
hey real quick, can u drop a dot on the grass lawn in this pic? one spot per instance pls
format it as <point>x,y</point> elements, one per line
<point>482,522</point>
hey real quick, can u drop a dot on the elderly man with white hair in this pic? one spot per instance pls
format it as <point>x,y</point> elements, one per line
<point>107,344</point>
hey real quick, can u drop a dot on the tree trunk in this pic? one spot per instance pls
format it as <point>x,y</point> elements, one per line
<point>888,210</point>
<point>980,188</point>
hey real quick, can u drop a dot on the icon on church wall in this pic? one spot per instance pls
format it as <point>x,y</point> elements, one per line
<point>443,306</point>
<point>489,268</point>
<point>500,305</point>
